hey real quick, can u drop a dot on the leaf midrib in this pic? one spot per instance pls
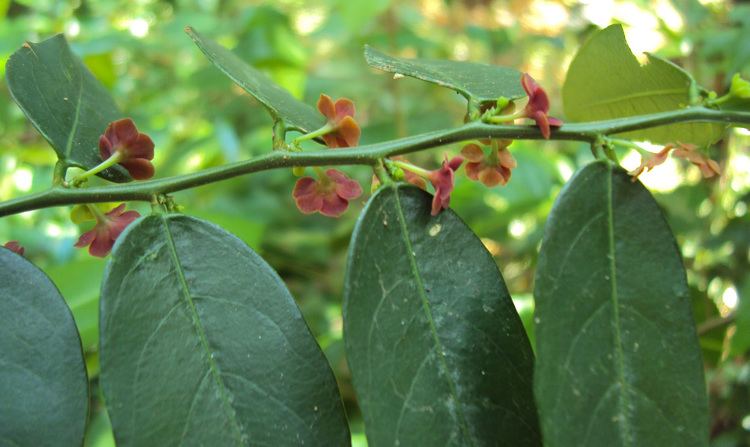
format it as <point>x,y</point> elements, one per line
<point>626,432</point>
<point>428,312</point>
<point>223,392</point>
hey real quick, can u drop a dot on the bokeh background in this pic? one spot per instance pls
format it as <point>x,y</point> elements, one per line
<point>198,119</point>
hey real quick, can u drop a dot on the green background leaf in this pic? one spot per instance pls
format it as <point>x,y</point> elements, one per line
<point>437,352</point>
<point>64,101</point>
<point>279,102</point>
<point>479,83</point>
<point>618,360</point>
<point>605,80</point>
<point>43,380</point>
<point>200,340</point>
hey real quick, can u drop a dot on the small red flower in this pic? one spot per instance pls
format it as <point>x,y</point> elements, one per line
<point>345,130</point>
<point>442,180</point>
<point>329,195</point>
<point>493,169</point>
<point>15,247</point>
<point>538,106</point>
<point>108,227</point>
<point>708,167</point>
<point>136,150</point>
<point>651,162</point>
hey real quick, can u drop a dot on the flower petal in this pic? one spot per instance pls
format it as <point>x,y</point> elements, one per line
<point>333,205</point>
<point>102,244</point>
<point>491,177</point>
<point>86,238</point>
<point>472,170</point>
<point>344,107</point>
<point>15,247</point>
<point>141,147</point>
<point>304,187</point>
<point>543,123</point>
<point>105,147</point>
<point>125,131</point>
<point>326,107</point>
<point>472,152</point>
<point>306,195</point>
<point>349,130</point>
<point>139,168</point>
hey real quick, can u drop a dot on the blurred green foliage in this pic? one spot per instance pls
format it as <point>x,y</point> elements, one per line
<point>198,119</point>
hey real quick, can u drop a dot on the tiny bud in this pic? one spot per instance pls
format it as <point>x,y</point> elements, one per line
<point>397,173</point>
<point>740,88</point>
<point>502,103</point>
<point>298,171</point>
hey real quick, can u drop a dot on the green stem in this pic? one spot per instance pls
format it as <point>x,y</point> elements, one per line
<point>108,163</point>
<point>424,173</point>
<point>326,129</point>
<point>58,175</point>
<point>500,119</point>
<point>364,155</point>
<point>382,173</point>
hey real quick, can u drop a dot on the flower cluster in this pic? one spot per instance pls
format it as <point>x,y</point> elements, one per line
<point>689,152</point>
<point>331,192</point>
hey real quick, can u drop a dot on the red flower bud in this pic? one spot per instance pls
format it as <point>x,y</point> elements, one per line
<point>538,105</point>
<point>442,179</point>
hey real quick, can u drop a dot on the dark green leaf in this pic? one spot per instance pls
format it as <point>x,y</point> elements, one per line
<point>618,361</point>
<point>478,83</point>
<point>64,101</point>
<point>279,102</point>
<point>605,81</point>
<point>437,352</point>
<point>43,380</point>
<point>201,341</point>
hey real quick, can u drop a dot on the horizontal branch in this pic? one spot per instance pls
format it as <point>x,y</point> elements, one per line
<point>362,155</point>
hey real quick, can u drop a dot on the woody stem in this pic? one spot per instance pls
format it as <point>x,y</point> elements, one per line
<point>365,155</point>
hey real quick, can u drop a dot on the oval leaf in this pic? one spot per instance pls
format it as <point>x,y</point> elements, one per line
<point>618,360</point>
<point>201,341</point>
<point>437,352</point>
<point>606,81</point>
<point>279,102</point>
<point>64,101</point>
<point>43,380</point>
<point>481,84</point>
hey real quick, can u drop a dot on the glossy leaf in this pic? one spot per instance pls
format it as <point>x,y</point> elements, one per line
<point>478,83</point>
<point>43,384</point>
<point>279,102</point>
<point>201,341</point>
<point>64,101</point>
<point>618,361</point>
<point>605,81</point>
<point>437,352</point>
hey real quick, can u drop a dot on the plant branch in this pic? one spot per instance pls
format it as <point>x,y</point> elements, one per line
<point>362,155</point>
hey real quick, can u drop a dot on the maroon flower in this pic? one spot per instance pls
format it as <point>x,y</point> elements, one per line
<point>538,106</point>
<point>15,247</point>
<point>493,169</point>
<point>108,227</point>
<point>442,180</point>
<point>344,131</point>
<point>329,195</point>
<point>135,150</point>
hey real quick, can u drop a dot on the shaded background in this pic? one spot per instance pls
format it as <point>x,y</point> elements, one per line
<point>198,119</point>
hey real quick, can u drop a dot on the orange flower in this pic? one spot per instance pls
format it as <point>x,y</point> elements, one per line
<point>708,167</point>
<point>329,195</point>
<point>491,169</point>
<point>344,130</point>
<point>538,106</point>
<point>651,162</point>
<point>134,150</point>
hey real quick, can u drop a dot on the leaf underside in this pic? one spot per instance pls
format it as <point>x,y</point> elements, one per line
<point>479,83</point>
<point>618,360</point>
<point>201,343</point>
<point>606,81</point>
<point>279,102</point>
<point>43,384</point>
<point>64,102</point>
<point>437,352</point>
